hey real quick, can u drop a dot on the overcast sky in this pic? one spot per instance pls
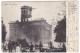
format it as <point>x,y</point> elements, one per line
<point>48,10</point>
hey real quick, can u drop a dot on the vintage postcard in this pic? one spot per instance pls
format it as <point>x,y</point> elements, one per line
<point>39,26</point>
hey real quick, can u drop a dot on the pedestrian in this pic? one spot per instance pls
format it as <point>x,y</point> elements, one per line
<point>10,46</point>
<point>64,47</point>
<point>31,47</point>
<point>50,45</point>
<point>40,46</point>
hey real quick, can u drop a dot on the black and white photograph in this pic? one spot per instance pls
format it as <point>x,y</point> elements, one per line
<point>33,26</point>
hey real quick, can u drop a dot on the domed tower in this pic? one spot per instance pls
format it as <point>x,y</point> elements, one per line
<point>25,13</point>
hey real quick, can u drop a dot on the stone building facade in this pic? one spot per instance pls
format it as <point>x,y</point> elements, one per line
<point>32,31</point>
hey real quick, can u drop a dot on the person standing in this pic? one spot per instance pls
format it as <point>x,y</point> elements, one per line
<point>31,47</point>
<point>40,46</point>
<point>64,47</point>
<point>51,45</point>
<point>10,46</point>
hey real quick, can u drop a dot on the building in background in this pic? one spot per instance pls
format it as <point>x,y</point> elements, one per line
<point>33,31</point>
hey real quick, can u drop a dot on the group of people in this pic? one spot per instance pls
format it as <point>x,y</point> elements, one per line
<point>22,47</point>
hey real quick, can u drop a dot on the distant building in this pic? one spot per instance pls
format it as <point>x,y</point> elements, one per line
<point>32,31</point>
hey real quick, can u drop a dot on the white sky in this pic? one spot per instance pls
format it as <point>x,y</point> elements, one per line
<point>48,10</point>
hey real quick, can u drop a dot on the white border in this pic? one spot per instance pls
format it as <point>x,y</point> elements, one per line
<point>36,0</point>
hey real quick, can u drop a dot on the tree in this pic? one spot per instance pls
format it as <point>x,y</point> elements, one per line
<point>60,31</point>
<point>3,31</point>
